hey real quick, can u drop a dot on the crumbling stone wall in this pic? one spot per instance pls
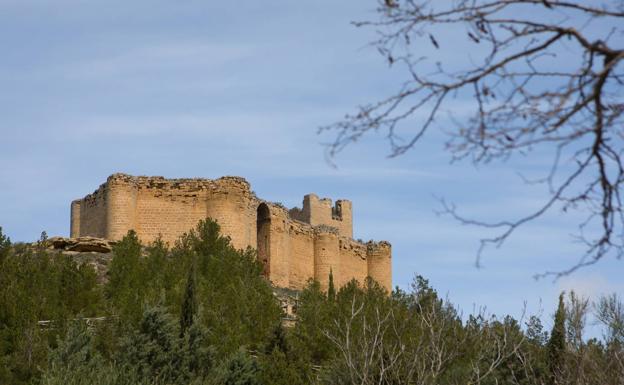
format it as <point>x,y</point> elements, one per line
<point>317,211</point>
<point>294,245</point>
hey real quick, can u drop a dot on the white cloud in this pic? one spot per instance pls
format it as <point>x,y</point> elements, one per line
<point>168,55</point>
<point>590,285</point>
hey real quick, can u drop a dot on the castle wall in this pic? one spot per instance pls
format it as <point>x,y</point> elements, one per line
<point>74,228</point>
<point>92,214</point>
<point>353,258</point>
<point>121,207</point>
<point>167,215</point>
<point>327,259</point>
<point>279,260</point>
<point>231,202</point>
<point>380,264</point>
<point>293,245</point>
<point>301,254</point>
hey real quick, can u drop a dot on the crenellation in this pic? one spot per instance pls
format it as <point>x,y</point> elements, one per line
<point>293,245</point>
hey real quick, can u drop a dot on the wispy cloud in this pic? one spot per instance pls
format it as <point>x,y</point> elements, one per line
<point>164,56</point>
<point>590,285</point>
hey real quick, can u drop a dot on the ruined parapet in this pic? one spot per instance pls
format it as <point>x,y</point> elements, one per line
<point>380,263</point>
<point>167,208</point>
<point>317,211</point>
<point>89,214</point>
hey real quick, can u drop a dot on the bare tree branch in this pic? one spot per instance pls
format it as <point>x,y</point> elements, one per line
<point>523,98</point>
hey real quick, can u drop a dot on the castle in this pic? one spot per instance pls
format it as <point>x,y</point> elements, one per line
<point>293,245</point>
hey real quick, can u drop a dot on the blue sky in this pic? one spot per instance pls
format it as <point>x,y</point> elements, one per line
<point>205,89</point>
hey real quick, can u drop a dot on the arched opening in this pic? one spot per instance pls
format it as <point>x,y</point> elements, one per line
<point>264,236</point>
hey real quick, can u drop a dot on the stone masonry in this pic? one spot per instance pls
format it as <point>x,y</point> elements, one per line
<point>293,245</point>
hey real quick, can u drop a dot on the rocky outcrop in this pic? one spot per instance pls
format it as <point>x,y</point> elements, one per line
<point>81,244</point>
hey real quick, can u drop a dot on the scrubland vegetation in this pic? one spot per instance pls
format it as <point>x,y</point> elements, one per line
<point>200,312</point>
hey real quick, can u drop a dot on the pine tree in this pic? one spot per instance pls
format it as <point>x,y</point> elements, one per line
<point>5,246</point>
<point>127,283</point>
<point>153,351</point>
<point>75,360</point>
<point>239,369</point>
<point>331,289</point>
<point>189,306</point>
<point>277,340</point>
<point>557,344</point>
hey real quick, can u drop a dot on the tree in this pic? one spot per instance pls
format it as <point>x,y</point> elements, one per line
<point>417,339</point>
<point>5,246</point>
<point>331,289</point>
<point>75,360</point>
<point>557,344</point>
<point>126,285</point>
<point>239,369</point>
<point>189,305</point>
<point>609,312</point>
<point>238,305</point>
<point>154,351</point>
<point>537,75</point>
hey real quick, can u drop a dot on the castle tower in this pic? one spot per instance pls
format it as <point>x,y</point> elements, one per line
<point>121,205</point>
<point>379,263</point>
<point>316,211</point>
<point>326,258</point>
<point>230,204</point>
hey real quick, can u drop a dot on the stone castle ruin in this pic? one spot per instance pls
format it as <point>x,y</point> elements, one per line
<point>293,245</point>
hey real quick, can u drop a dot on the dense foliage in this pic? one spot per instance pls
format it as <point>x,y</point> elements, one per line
<point>201,313</point>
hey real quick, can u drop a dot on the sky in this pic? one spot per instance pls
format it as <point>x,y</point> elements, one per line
<point>205,89</point>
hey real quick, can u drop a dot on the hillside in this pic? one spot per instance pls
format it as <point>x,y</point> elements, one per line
<point>90,311</point>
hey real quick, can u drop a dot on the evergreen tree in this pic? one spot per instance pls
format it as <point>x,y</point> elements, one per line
<point>279,368</point>
<point>556,346</point>
<point>239,369</point>
<point>277,341</point>
<point>154,351</point>
<point>189,305</point>
<point>38,286</point>
<point>76,362</point>
<point>537,339</point>
<point>331,290</point>
<point>200,355</point>
<point>238,304</point>
<point>5,246</point>
<point>127,282</point>
<point>313,316</point>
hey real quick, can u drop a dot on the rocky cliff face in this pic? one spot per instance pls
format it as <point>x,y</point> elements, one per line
<point>95,252</point>
<point>81,244</point>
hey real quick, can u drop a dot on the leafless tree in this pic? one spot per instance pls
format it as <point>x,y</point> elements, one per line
<point>609,313</point>
<point>385,347</point>
<point>382,345</point>
<point>542,75</point>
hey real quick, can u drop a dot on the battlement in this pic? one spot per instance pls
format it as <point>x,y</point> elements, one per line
<point>293,245</point>
<point>187,184</point>
<point>319,211</point>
